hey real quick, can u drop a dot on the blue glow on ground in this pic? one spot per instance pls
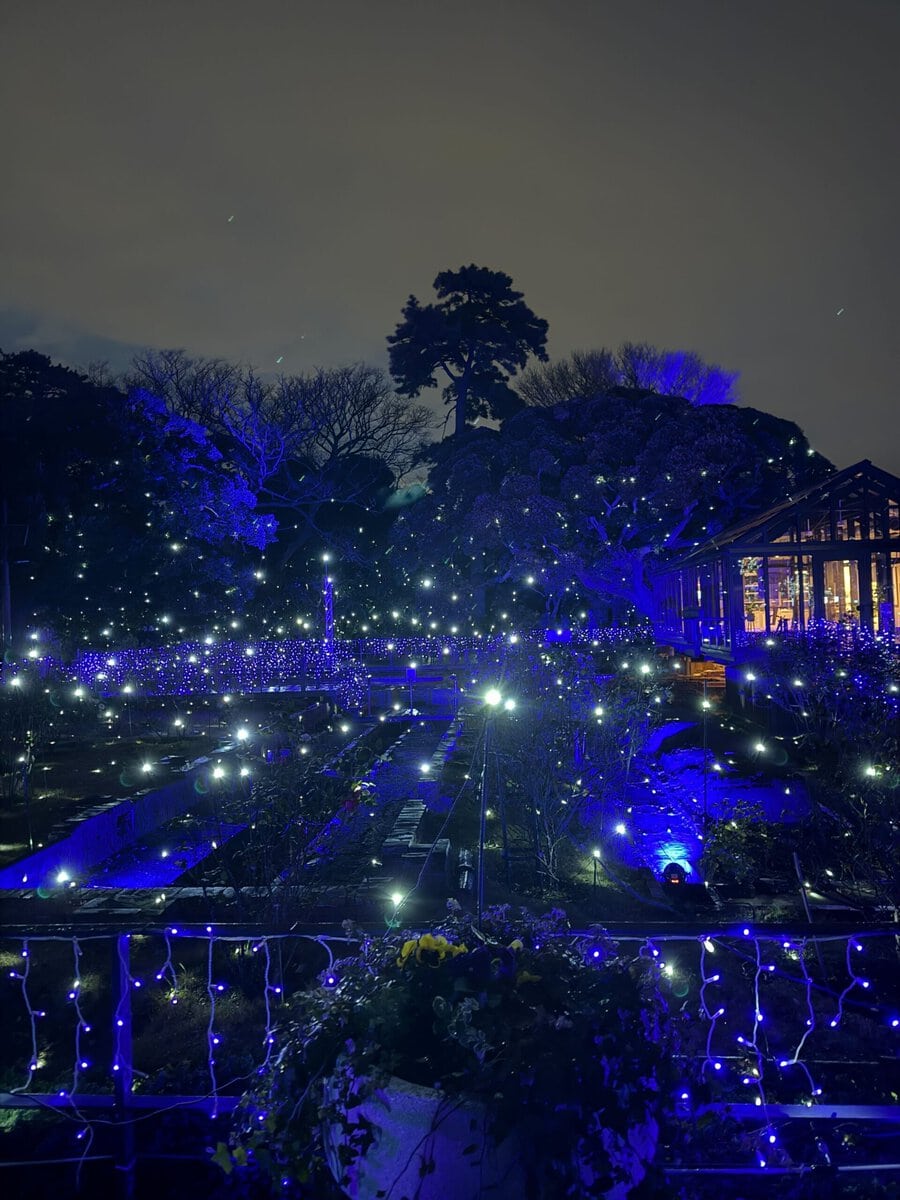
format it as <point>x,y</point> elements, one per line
<point>667,807</point>
<point>657,832</point>
<point>656,738</point>
<point>159,861</point>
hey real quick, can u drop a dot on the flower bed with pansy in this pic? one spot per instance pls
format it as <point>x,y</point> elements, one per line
<point>556,1037</point>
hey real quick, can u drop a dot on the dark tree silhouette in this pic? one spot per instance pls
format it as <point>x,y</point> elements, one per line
<point>479,334</point>
<point>200,389</point>
<point>54,426</point>
<point>110,505</point>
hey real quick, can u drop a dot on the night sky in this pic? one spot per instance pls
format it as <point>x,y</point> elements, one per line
<point>264,180</point>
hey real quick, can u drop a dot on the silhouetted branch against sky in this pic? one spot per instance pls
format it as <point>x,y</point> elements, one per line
<point>269,183</point>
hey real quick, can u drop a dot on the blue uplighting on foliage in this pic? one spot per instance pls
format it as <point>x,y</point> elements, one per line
<point>673,852</point>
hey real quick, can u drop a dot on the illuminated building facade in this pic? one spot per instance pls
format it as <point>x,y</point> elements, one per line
<point>831,553</point>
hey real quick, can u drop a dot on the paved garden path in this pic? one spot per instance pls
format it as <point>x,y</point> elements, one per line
<point>398,777</point>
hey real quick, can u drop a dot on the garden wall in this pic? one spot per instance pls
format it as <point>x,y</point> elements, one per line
<point>103,835</point>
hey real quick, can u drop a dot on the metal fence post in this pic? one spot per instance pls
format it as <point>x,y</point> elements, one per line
<point>123,1064</point>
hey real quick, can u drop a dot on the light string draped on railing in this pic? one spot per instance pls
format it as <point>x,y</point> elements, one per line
<point>752,1043</point>
<point>272,988</point>
<point>795,1059</point>
<point>713,1013</point>
<point>80,1064</point>
<point>268,989</point>
<point>706,946</point>
<point>22,978</point>
<point>122,1004</point>
<point>750,952</point>
<point>167,971</point>
<point>212,1038</point>
<point>855,981</point>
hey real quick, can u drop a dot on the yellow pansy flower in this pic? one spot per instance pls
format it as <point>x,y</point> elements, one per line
<point>527,977</point>
<point>406,951</point>
<point>431,945</point>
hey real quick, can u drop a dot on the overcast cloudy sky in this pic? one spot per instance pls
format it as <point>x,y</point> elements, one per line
<point>263,180</point>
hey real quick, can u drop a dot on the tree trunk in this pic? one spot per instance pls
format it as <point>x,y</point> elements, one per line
<point>460,411</point>
<point>461,387</point>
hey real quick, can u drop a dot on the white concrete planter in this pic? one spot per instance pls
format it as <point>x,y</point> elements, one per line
<point>418,1149</point>
<point>631,1155</point>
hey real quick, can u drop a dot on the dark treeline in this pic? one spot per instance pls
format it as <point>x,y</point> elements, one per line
<point>193,493</point>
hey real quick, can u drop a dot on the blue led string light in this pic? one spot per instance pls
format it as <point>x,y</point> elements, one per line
<point>80,1064</point>
<point>853,944</point>
<point>212,1038</point>
<point>647,949</point>
<point>795,1060</point>
<point>712,1016</point>
<point>22,977</point>
<point>121,1006</point>
<point>752,1043</point>
<point>269,1037</point>
<point>167,972</point>
<point>203,666</point>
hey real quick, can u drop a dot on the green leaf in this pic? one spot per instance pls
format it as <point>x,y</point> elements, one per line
<point>222,1158</point>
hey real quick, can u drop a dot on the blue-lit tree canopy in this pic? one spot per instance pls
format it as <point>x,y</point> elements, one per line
<point>641,368</point>
<point>582,495</point>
